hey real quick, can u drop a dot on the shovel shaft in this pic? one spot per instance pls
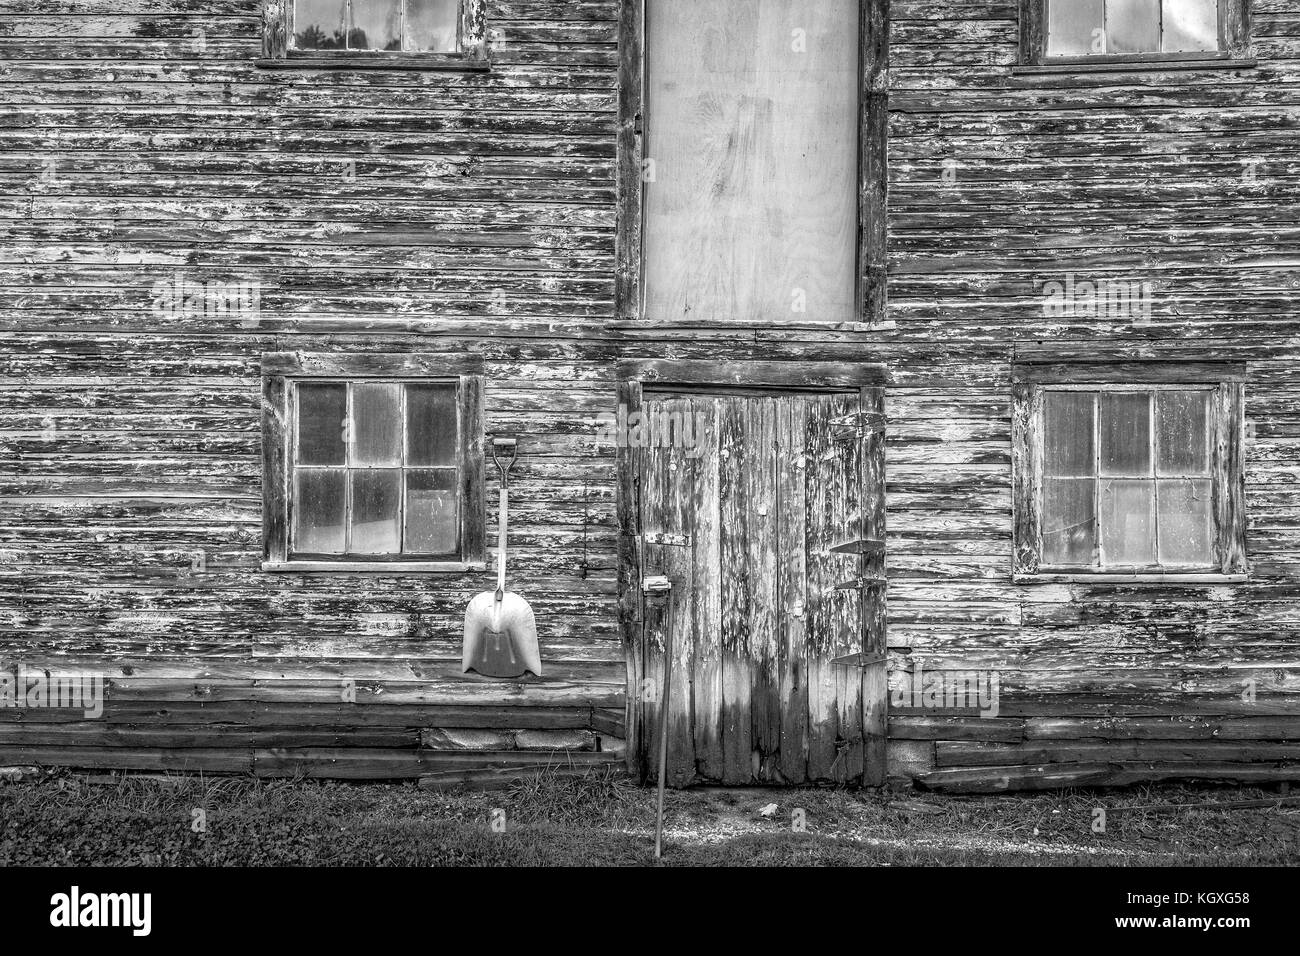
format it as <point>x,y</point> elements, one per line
<point>664,702</point>
<point>503,508</point>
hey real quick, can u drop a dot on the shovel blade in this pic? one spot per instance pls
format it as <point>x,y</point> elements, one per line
<point>500,639</point>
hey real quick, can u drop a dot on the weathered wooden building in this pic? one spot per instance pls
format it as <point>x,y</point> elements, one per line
<point>939,352</point>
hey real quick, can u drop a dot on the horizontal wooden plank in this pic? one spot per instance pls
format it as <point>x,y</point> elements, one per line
<point>786,375</point>
<point>1004,779</point>
<point>369,764</point>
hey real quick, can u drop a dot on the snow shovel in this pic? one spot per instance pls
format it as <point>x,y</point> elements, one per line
<point>500,630</point>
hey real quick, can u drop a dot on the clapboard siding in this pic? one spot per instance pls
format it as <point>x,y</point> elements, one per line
<point>1189,180</point>
<point>386,211</point>
<point>1140,176</point>
<point>379,212</point>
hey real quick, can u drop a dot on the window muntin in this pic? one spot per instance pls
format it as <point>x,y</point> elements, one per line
<point>375,470</point>
<point>1128,478</point>
<point>1084,28</point>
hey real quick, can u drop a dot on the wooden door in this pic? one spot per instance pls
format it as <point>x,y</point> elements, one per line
<point>758,524</point>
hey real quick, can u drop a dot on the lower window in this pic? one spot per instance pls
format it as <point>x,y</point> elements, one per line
<point>371,465</point>
<point>1128,477</point>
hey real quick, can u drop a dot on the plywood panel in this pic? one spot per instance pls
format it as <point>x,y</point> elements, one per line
<point>751,208</point>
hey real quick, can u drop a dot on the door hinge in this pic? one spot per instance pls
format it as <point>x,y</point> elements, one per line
<point>860,584</point>
<point>857,425</point>
<point>859,659</point>
<point>860,546</point>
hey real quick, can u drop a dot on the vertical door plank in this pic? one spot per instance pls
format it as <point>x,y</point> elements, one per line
<point>835,746</point>
<point>737,743</point>
<point>679,491</point>
<point>706,596</point>
<point>819,608</point>
<point>850,604</point>
<point>653,471</point>
<point>875,689</point>
<point>791,587</point>
<point>630,461</point>
<point>762,515</point>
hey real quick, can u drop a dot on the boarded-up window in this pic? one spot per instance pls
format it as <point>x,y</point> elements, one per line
<point>1129,478</point>
<point>751,169</point>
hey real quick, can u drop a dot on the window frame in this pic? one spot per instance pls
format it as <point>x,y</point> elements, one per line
<point>278,50</point>
<point>1234,42</point>
<point>282,370</point>
<point>1226,382</point>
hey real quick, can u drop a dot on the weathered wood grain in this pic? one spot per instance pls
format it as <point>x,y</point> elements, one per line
<point>476,212</point>
<point>792,586</point>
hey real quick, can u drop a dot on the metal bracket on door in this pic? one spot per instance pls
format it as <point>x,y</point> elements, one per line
<point>860,546</point>
<point>667,539</point>
<point>857,426</point>
<point>861,584</point>
<point>859,659</point>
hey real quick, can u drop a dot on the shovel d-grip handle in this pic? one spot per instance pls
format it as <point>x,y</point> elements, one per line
<point>504,446</point>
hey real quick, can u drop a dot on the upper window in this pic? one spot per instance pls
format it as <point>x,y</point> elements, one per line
<point>383,33</point>
<point>1079,31</point>
<point>1085,27</point>
<point>1128,477</point>
<point>373,465</point>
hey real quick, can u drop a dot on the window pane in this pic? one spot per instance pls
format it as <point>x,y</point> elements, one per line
<point>431,25</point>
<point>1125,428</point>
<point>1069,521</point>
<point>321,409</point>
<point>318,496</point>
<point>1074,27</point>
<point>1190,26</point>
<point>1132,26</point>
<point>318,24</point>
<point>1068,434</point>
<point>1182,433</point>
<point>432,512</point>
<point>375,501</point>
<point>376,424</point>
<point>1185,528</point>
<point>376,25</point>
<point>1128,522</point>
<point>431,424</point>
